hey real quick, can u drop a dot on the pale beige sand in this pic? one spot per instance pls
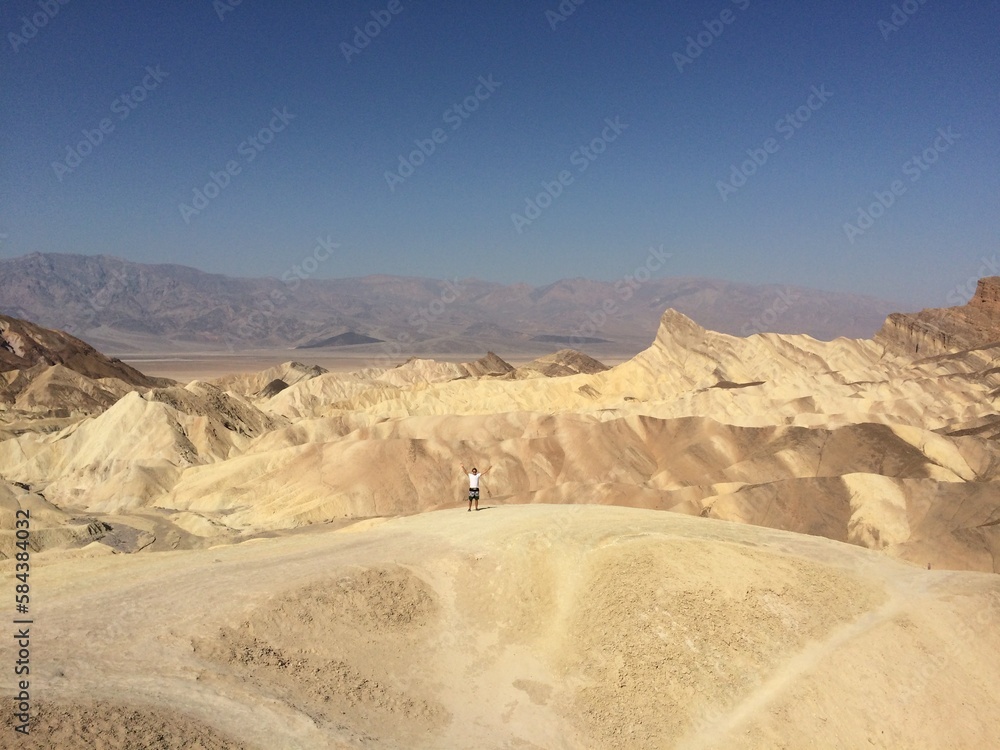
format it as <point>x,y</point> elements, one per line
<point>828,438</point>
<point>185,367</point>
<point>101,725</point>
<point>188,366</point>
<point>909,492</point>
<point>549,619</point>
<point>518,627</point>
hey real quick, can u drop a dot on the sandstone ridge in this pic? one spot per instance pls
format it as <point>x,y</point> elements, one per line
<point>937,331</point>
<point>50,372</point>
<point>837,439</point>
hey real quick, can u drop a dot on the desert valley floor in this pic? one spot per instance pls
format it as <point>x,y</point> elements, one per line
<point>760,542</point>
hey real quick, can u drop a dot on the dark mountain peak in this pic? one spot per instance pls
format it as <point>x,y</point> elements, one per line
<point>348,338</point>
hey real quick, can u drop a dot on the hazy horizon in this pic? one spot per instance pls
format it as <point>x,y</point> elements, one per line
<point>537,285</point>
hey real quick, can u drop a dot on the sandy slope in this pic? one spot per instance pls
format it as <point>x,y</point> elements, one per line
<point>829,438</point>
<point>199,580</point>
<point>761,380</point>
<point>517,627</point>
<point>900,489</point>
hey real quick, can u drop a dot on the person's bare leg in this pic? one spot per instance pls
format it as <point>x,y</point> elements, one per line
<point>470,506</point>
<point>477,503</point>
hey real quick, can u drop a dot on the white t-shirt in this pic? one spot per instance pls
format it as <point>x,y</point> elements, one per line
<point>474,481</point>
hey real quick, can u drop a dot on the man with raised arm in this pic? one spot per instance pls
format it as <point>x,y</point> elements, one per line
<point>474,484</point>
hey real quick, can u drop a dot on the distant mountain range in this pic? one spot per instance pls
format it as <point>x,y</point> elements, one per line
<point>123,306</point>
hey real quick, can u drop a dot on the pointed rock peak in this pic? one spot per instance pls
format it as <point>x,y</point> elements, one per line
<point>561,363</point>
<point>676,326</point>
<point>491,364</point>
<point>673,319</point>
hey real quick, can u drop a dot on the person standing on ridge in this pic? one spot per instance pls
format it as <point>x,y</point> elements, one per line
<point>474,484</point>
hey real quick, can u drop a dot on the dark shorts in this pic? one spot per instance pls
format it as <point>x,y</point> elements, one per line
<point>473,493</point>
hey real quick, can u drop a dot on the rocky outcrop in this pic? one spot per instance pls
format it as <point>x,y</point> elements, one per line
<point>273,388</point>
<point>489,366</point>
<point>939,331</point>
<point>907,333</point>
<point>987,296</point>
<point>42,370</point>
<point>561,363</point>
<point>24,345</point>
<point>267,383</point>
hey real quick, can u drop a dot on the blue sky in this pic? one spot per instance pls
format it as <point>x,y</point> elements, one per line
<point>884,181</point>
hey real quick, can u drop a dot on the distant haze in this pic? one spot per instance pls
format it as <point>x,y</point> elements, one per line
<point>125,306</point>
